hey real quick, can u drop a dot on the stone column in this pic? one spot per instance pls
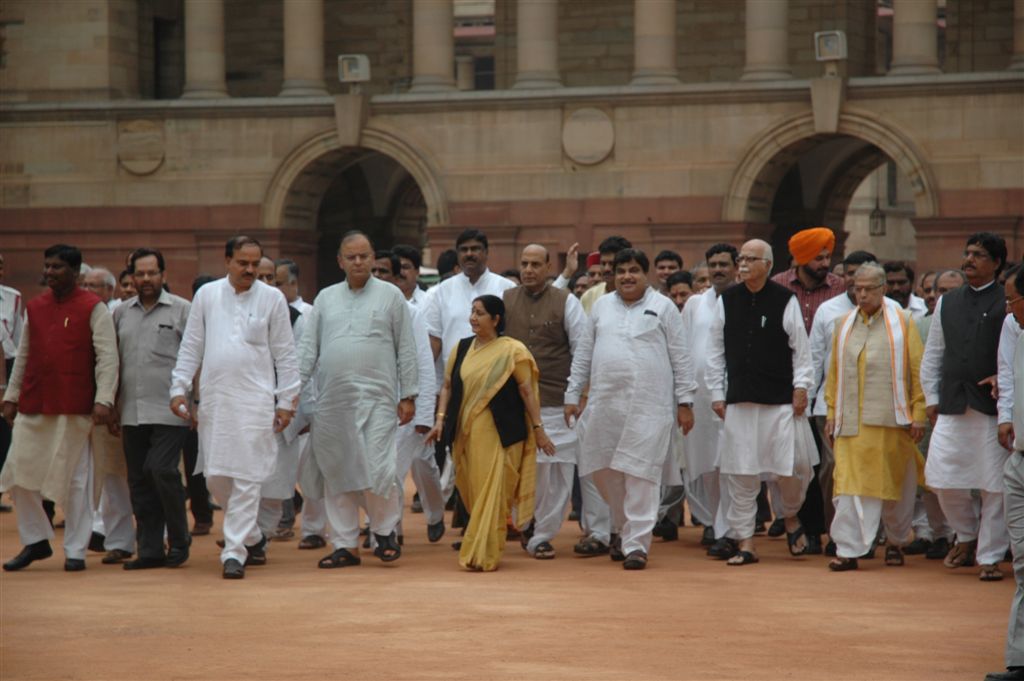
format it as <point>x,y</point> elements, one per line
<point>465,72</point>
<point>433,46</point>
<point>537,44</point>
<point>1017,63</point>
<point>914,38</point>
<point>204,50</point>
<point>654,42</point>
<point>767,39</point>
<point>303,48</point>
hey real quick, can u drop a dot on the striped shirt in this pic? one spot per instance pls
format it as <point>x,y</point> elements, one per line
<point>810,299</point>
<point>12,320</point>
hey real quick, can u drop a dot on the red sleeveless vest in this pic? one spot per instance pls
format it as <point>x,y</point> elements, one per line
<point>60,374</point>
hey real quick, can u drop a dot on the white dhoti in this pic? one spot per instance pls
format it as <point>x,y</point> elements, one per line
<point>554,478</point>
<point>855,524</point>
<point>634,507</point>
<point>417,458</point>
<point>240,500</point>
<point>964,454</point>
<point>760,439</point>
<point>343,516</point>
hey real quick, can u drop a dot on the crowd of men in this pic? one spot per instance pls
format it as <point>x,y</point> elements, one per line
<point>658,385</point>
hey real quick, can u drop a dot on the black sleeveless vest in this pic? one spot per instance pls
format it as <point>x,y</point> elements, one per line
<point>758,359</point>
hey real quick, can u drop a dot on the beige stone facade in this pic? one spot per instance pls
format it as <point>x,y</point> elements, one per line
<point>99,148</point>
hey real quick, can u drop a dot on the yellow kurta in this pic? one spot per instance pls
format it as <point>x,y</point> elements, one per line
<point>491,478</point>
<point>872,463</point>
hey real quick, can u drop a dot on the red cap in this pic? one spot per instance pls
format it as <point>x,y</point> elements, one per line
<point>593,259</point>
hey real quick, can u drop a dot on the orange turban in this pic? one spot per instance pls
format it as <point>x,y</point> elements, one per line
<point>805,245</point>
<point>593,259</point>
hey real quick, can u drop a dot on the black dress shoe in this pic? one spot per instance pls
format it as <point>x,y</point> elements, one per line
<point>96,541</point>
<point>938,550</point>
<point>74,565</point>
<point>724,548</point>
<point>435,532</point>
<point>176,558</point>
<point>707,538</point>
<point>257,552</point>
<point>830,549</point>
<point>813,545</point>
<point>777,528</point>
<point>233,569</point>
<point>32,552</point>
<point>917,547</point>
<point>1011,674</point>
<point>143,564</point>
<point>667,529</point>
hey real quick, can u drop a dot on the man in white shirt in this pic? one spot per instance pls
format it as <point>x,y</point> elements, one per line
<point>112,527</point>
<point>635,358</point>
<point>899,285</point>
<point>239,332</point>
<point>12,318</point>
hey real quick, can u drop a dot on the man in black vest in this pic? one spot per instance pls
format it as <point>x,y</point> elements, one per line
<point>548,321</point>
<point>759,364</point>
<point>958,373</point>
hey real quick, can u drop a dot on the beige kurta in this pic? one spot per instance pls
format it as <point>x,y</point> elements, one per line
<point>45,449</point>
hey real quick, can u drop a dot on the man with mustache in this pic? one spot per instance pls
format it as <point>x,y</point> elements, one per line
<point>635,357</point>
<point>812,283</point>
<point>958,373</point>
<point>62,386</point>
<point>239,332</point>
<point>899,285</point>
<point>759,371</point>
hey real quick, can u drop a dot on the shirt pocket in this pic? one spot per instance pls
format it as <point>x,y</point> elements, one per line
<point>646,325</point>
<point>166,342</point>
<point>255,331</point>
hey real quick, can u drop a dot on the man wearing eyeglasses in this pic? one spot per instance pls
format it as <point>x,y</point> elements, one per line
<point>958,373</point>
<point>758,342</point>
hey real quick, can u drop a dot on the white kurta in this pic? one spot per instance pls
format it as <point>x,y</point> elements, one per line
<point>964,450</point>
<point>244,344</point>
<point>773,426</point>
<point>281,483</point>
<point>410,443</point>
<point>821,342</point>
<point>636,359</point>
<point>1007,349</point>
<point>446,310</point>
<point>362,346</point>
<point>701,444</point>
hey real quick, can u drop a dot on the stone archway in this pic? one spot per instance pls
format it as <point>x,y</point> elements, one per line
<point>775,150</point>
<point>297,187</point>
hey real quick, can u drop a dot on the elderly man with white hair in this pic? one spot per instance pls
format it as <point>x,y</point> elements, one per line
<point>112,526</point>
<point>759,372</point>
<point>876,416</point>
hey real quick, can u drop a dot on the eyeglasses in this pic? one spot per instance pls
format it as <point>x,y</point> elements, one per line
<point>865,289</point>
<point>977,255</point>
<point>741,259</point>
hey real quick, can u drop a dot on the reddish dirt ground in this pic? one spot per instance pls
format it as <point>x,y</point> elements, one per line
<point>685,617</point>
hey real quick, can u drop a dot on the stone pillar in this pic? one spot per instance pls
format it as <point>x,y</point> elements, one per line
<point>767,39</point>
<point>654,42</point>
<point>1017,63</point>
<point>465,72</point>
<point>204,50</point>
<point>537,44</point>
<point>303,48</point>
<point>433,46</point>
<point>914,38</point>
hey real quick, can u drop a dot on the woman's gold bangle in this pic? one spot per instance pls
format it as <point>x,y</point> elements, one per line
<point>440,415</point>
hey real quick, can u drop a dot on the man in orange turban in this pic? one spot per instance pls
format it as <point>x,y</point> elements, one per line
<point>811,280</point>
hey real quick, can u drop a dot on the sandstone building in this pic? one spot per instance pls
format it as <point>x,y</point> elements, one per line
<point>176,123</point>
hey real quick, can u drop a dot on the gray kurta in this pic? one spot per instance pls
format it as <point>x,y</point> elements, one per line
<point>362,347</point>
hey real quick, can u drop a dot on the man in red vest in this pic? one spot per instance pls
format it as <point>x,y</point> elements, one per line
<point>62,384</point>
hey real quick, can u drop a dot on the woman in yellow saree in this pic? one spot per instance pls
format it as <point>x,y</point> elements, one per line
<point>489,412</point>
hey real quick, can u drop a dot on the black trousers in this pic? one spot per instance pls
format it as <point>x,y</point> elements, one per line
<point>158,497</point>
<point>198,495</point>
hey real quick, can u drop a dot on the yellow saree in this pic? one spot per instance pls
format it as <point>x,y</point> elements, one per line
<point>491,478</point>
